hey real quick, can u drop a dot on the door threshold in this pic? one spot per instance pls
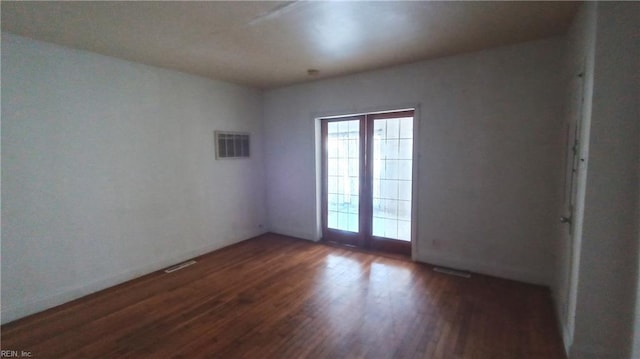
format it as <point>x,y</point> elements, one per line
<point>399,256</point>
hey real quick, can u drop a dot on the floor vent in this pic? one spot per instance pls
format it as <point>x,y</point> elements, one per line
<point>179,266</point>
<point>455,272</point>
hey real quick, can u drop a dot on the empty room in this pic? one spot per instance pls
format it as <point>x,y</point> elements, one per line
<point>320,179</point>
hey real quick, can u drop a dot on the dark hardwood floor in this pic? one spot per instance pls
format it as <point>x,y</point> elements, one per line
<point>278,297</point>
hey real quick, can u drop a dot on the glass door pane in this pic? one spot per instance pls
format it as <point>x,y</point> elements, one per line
<point>343,175</point>
<point>391,183</point>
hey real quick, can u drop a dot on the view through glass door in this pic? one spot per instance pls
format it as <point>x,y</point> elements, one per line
<point>367,180</point>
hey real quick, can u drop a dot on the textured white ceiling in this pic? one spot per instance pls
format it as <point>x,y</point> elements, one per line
<point>268,44</point>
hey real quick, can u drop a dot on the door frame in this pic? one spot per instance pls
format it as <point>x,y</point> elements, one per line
<point>364,239</point>
<point>573,187</point>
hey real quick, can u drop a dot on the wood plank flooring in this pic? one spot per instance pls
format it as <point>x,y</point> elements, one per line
<point>279,297</point>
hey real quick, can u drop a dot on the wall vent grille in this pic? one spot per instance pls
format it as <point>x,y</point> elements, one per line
<point>232,144</point>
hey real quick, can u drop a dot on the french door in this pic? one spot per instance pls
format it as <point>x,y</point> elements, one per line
<point>367,163</point>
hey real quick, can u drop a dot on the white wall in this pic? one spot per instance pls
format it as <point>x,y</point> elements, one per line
<point>609,253</point>
<point>490,134</point>
<point>109,171</point>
